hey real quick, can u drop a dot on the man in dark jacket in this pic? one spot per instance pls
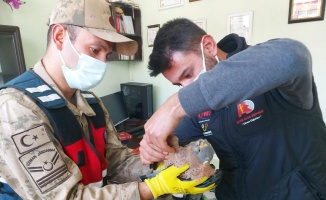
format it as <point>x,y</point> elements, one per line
<point>204,125</point>
<point>258,107</point>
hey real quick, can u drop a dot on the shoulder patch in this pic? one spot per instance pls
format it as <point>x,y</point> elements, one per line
<point>45,166</point>
<point>30,139</point>
<point>41,158</point>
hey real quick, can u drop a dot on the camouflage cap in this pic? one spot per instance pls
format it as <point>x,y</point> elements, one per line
<point>92,15</point>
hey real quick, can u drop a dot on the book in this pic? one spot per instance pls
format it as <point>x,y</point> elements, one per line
<point>128,25</point>
<point>125,57</point>
<point>117,23</point>
<point>112,21</point>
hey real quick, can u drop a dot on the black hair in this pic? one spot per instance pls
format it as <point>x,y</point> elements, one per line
<point>72,29</point>
<point>179,34</point>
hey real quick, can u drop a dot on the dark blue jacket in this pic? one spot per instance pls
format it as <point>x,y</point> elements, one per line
<point>268,149</point>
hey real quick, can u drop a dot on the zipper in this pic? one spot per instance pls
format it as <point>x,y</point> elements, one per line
<point>230,142</point>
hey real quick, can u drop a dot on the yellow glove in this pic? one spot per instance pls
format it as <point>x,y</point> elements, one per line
<point>167,182</point>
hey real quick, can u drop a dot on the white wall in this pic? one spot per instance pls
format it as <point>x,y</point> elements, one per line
<point>270,21</point>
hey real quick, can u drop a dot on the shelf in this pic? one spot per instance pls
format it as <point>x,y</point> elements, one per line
<point>135,14</point>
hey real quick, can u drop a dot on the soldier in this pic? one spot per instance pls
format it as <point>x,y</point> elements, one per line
<point>56,140</point>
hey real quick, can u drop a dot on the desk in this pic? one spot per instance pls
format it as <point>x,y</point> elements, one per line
<point>135,127</point>
<point>130,125</point>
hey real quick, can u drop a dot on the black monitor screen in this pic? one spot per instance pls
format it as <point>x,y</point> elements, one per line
<point>116,107</point>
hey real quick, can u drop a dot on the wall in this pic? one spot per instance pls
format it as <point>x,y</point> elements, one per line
<point>270,21</point>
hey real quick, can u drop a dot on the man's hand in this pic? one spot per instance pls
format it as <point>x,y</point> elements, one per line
<point>153,147</point>
<point>167,182</point>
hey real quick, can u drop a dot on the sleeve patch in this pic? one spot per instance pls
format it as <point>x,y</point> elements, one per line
<point>45,166</point>
<point>30,139</point>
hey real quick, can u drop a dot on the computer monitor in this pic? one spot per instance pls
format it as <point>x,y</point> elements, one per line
<point>116,107</point>
<point>138,98</point>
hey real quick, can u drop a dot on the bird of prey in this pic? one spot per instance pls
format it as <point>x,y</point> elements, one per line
<point>197,154</point>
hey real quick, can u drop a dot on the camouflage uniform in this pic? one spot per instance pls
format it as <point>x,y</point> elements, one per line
<point>20,115</point>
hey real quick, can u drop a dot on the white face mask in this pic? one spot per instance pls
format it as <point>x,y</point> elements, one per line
<point>204,64</point>
<point>87,74</point>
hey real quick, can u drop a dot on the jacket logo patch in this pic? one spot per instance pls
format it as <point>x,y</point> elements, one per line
<point>245,107</point>
<point>205,115</point>
<point>203,119</point>
<point>45,166</point>
<point>30,139</point>
<point>204,127</point>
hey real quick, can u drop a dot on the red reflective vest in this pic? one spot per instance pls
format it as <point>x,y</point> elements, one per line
<point>87,153</point>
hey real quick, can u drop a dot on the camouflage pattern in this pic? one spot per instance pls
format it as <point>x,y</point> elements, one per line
<point>21,118</point>
<point>94,17</point>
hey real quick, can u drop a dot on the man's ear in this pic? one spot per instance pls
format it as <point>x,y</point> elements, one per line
<point>209,45</point>
<point>58,35</point>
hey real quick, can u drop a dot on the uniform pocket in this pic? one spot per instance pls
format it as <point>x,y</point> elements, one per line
<point>298,185</point>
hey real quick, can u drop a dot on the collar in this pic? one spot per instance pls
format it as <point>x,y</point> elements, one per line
<point>82,107</point>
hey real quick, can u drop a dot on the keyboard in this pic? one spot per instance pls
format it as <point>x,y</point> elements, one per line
<point>132,126</point>
<point>137,131</point>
